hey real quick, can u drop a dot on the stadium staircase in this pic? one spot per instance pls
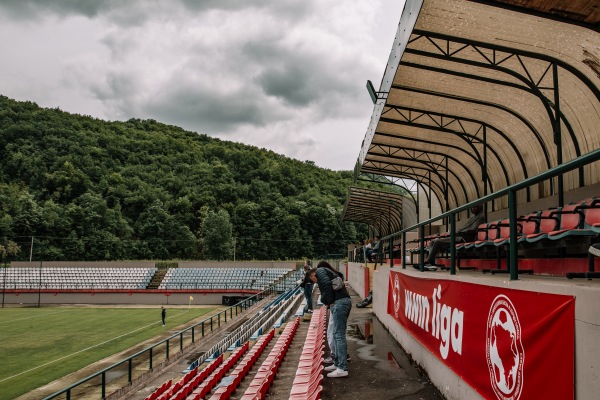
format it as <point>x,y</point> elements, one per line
<point>157,278</point>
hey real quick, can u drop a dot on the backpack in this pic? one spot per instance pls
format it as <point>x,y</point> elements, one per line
<point>337,283</point>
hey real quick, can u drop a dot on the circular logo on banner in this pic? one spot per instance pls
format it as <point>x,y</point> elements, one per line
<point>504,349</point>
<point>396,295</point>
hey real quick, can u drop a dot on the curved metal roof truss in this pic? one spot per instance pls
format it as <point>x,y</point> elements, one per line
<point>481,97</point>
<point>382,211</point>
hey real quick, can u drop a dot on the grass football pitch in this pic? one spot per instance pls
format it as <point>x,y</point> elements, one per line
<point>39,345</point>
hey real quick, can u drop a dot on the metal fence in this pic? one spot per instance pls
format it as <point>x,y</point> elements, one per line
<point>126,371</point>
<point>509,191</point>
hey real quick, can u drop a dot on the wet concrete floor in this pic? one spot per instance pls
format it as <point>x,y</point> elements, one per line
<point>379,367</point>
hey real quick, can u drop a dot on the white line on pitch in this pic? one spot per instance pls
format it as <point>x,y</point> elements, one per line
<point>86,349</point>
<point>33,316</point>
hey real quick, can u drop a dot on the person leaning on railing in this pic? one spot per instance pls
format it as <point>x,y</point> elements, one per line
<point>466,233</point>
<point>340,306</point>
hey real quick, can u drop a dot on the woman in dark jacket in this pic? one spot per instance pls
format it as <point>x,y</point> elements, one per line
<point>340,304</point>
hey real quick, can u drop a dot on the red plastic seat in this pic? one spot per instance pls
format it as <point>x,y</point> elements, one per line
<point>547,222</point>
<point>492,234</point>
<point>309,373</point>
<point>571,219</point>
<point>262,380</point>
<point>592,216</point>
<point>529,226</point>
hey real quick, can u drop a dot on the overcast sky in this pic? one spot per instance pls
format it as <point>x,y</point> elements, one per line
<point>286,75</point>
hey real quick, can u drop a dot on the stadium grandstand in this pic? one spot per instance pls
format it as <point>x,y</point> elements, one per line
<point>493,104</point>
<point>483,103</point>
<point>55,282</point>
<point>65,278</point>
<point>223,278</point>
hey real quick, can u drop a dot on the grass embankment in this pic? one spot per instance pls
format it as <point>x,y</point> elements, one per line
<point>39,345</point>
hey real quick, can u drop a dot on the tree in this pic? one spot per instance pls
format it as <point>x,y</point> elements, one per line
<point>8,250</point>
<point>163,237</point>
<point>246,225</point>
<point>217,240</point>
<point>139,189</point>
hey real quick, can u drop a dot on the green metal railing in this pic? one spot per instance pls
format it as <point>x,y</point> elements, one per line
<point>144,360</point>
<point>511,192</point>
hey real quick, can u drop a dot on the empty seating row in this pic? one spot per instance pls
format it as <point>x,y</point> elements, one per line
<point>76,278</point>
<point>198,385</point>
<point>204,388</point>
<point>163,392</point>
<point>177,391</point>
<point>413,246</point>
<point>160,390</point>
<point>307,382</point>
<point>266,373</point>
<point>576,220</point>
<point>559,227</point>
<point>291,281</point>
<point>221,278</point>
<point>225,391</point>
<point>233,270</point>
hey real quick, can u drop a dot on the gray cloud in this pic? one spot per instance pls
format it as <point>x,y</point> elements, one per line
<point>208,110</point>
<point>286,75</point>
<point>26,9</point>
<point>118,12</point>
<point>136,12</point>
<point>293,8</point>
<point>304,75</point>
<point>293,84</point>
<point>117,91</point>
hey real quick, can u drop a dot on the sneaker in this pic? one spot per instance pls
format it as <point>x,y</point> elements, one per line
<point>595,249</point>
<point>430,267</point>
<point>309,311</point>
<point>328,360</point>
<point>330,368</point>
<point>338,373</point>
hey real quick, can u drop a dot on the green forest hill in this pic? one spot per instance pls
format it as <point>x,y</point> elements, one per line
<point>88,189</point>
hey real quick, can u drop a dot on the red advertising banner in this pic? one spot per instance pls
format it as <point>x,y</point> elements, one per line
<point>507,344</point>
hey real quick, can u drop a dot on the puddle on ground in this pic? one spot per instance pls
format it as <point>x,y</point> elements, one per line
<point>114,374</point>
<point>374,343</point>
<point>194,356</point>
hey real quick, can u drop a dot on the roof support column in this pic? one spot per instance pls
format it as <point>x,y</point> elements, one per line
<point>557,133</point>
<point>452,245</point>
<point>391,248</point>
<point>418,205</point>
<point>512,259</point>
<point>430,193</point>
<point>422,248</point>
<point>446,189</point>
<point>484,169</point>
<point>403,250</point>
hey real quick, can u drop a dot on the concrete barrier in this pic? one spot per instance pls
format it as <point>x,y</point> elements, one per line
<point>587,328</point>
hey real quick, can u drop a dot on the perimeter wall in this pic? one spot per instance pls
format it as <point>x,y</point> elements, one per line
<point>587,325</point>
<point>30,298</point>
